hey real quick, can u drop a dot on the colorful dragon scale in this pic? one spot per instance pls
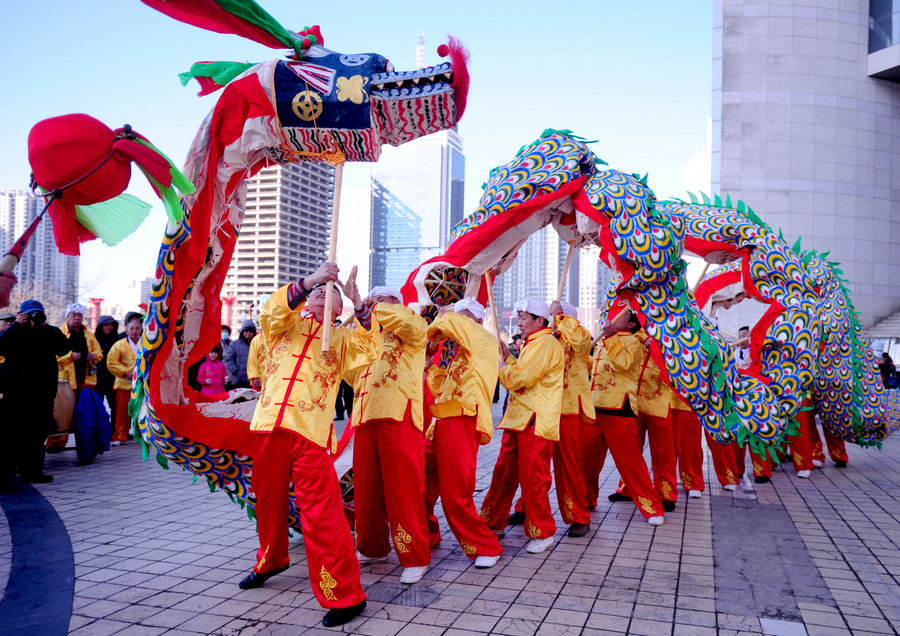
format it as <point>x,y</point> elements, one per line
<point>557,180</point>
<point>849,395</point>
<point>803,345</point>
<point>256,122</point>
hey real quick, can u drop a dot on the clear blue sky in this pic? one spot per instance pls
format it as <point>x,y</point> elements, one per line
<point>633,75</point>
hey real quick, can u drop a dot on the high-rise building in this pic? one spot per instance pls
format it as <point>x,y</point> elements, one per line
<point>806,130</point>
<point>284,234</point>
<point>43,272</point>
<point>354,246</point>
<point>417,198</point>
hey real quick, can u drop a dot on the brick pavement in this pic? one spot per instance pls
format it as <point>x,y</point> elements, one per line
<point>154,553</point>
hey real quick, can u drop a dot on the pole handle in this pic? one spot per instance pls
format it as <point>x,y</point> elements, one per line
<point>332,254</point>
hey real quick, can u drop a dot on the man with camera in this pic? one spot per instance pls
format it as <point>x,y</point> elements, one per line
<point>30,346</point>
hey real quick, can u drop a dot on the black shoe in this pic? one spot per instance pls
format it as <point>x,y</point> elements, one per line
<point>256,579</point>
<point>9,489</point>
<point>617,496</point>
<point>592,506</point>
<point>341,615</point>
<point>668,506</point>
<point>762,479</point>
<point>840,463</point>
<point>740,475</point>
<point>578,529</point>
<point>40,478</point>
<point>516,519</point>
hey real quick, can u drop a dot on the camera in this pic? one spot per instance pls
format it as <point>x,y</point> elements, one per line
<point>37,317</point>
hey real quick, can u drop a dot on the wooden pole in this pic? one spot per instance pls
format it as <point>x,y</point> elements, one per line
<point>490,289</point>
<point>332,254</point>
<point>565,272</point>
<point>700,280</point>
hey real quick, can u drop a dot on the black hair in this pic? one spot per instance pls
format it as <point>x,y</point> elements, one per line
<point>226,328</point>
<point>517,336</point>
<point>744,327</point>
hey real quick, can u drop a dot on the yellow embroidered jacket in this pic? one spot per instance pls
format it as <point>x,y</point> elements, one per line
<point>120,362</point>
<point>535,385</point>
<point>385,389</point>
<point>617,367</point>
<point>256,357</point>
<point>576,342</point>
<point>66,365</point>
<point>466,386</point>
<point>300,381</point>
<point>655,397</point>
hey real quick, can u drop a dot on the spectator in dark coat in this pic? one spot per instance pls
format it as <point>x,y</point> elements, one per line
<point>107,332</point>
<point>237,354</point>
<point>30,346</point>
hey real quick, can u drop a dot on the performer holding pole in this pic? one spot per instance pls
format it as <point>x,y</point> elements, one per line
<point>294,413</point>
<point>388,462</point>
<point>462,421</point>
<point>531,423</point>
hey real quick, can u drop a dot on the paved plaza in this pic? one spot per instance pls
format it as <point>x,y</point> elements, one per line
<point>125,547</point>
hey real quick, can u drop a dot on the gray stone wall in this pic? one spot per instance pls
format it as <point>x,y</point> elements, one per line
<point>804,136</point>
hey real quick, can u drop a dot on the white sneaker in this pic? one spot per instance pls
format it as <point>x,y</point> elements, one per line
<point>730,487</point>
<point>364,560</point>
<point>115,443</point>
<point>817,463</point>
<point>694,494</point>
<point>413,574</point>
<point>656,521</point>
<point>485,562</point>
<point>536,546</point>
<point>804,474</point>
<point>499,533</point>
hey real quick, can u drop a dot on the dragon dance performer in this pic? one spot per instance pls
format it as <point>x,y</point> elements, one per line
<point>837,449</point>
<point>614,383</point>
<point>531,426</point>
<point>256,361</point>
<point>688,438</point>
<point>295,413</point>
<point>461,421</point>
<point>577,412</point>
<point>388,460</point>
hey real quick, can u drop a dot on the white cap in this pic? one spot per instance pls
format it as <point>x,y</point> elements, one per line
<point>533,306</point>
<point>569,309</point>
<point>386,291</point>
<point>470,304</point>
<point>75,308</point>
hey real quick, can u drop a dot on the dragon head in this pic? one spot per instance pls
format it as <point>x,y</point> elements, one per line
<point>358,102</point>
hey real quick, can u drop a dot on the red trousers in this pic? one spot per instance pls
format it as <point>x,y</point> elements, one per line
<point>686,430</point>
<point>762,467</point>
<point>333,568</point>
<point>568,470</point>
<point>724,461</point>
<point>450,475</point>
<point>837,450</point>
<point>593,456</point>
<point>524,458</point>
<point>624,442</point>
<point>662,455</point>
<point>389,487</point>
<point>122,425</point>
<point>801,446</point>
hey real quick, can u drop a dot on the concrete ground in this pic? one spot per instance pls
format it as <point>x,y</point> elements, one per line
<point>124,547</point>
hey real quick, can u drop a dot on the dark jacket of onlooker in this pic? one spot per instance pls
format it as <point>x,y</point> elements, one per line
<point>237,354</point>
<point>105,379</point>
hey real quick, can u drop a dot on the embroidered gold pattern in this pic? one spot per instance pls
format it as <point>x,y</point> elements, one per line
<point>401,540</point>
<point>327,584</point>
<point>686,481</point>
<point>798,458</point>
<point>730,475</point>
<point>757,469</point>
<point>533,531</point>
<point>393,350</point>
<point>646,505</point>
<point>666,490</point>
<point>469,550</point>
<point>485,512</point>
<point>568,508</point>
<point>324,379</point>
